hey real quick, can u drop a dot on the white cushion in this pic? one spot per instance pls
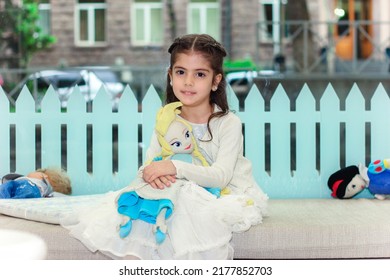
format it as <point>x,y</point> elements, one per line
<point>47,210</point>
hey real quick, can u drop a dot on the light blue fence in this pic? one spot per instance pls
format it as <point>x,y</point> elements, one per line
<point>293,152</point>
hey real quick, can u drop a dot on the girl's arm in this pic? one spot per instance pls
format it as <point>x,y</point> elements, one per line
<point>227,142</point>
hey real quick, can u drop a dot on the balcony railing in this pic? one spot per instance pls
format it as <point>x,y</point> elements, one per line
<point>318,47</point>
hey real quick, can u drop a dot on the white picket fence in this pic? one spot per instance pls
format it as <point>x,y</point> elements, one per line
<point>293,152</point>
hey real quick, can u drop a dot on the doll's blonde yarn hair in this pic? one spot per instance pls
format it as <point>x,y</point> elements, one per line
<point>59,179</point>
<point>165,116</point>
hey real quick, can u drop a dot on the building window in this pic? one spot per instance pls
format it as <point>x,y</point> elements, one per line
<point>147,23</point>
<point>272,12</point>
<point>204,17</point>
<point>90,23</point>
<point>44,21</point>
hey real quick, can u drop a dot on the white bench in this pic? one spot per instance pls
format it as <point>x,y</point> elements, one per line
<point>295,229</point>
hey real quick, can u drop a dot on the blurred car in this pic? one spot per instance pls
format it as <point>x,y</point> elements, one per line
<point>241,81</point>
<point>88,81</point>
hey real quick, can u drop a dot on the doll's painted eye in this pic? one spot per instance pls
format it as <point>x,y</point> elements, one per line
<point>187,134</point>
<point>353,186</point>
<point>176,144</point>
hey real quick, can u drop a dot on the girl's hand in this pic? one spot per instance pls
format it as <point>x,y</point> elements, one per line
<point>163,182</point>
<point>163,170</point>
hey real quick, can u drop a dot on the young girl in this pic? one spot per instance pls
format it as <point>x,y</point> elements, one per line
<point>201,225</point>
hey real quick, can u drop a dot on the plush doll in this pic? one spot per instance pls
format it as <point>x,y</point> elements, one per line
<point>140,200</point>
<point>39,183</point>
<point>349,181</point>
<point>378,178</point>
<point>346,182</point>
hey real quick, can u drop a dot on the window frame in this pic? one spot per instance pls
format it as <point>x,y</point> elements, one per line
<point>146,8</point>
<point>91,9</point>
<point>203,7</point>
<point>264,36</point>
<point>45,26</point>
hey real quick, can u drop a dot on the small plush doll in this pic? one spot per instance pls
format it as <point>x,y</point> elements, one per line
<point>349,181</point>
<point>140,200</point>
<point>39,183</point>
<point>346,182</point>
<point>378,178</point>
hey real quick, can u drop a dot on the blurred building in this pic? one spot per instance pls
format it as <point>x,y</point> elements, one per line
<point>138,32</point>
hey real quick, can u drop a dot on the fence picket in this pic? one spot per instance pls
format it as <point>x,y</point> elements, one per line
<point>355,127</point>
<point>280,119</point>
<point>127,120</point>
<point>25,132</point>
<point>76,142</point>
<point>150,104</point>
<point>306,175</point>
<point>50,129</point>
<point>330,116</point>
<point>5,151</point>
<point>380,124</point>
<point>254,119</point>
<point>232,99</point>
<point>102,144</point>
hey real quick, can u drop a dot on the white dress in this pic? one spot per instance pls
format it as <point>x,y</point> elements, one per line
<point>200,227</point>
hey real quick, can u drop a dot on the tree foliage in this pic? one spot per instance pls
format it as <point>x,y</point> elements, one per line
<point>21,33</point>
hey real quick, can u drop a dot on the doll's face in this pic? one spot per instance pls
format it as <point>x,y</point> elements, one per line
<point>354,187</point>
<point>179,138</point>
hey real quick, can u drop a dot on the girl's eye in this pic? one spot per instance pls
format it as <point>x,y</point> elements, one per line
<point>187,134</point>
<point>201,75</point>
<point>176,144</point>
<point>180,72</point>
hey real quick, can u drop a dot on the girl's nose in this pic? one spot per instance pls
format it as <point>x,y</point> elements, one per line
<point>189,81</point>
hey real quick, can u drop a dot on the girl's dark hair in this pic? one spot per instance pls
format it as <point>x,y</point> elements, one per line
<point>214,52</point>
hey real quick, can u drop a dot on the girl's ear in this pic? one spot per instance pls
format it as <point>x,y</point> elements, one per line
<point>217,80</point>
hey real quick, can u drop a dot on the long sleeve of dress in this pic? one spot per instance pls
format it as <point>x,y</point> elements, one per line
<point>226,147</point>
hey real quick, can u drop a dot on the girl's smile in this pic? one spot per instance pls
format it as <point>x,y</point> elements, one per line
<point>188,92</point>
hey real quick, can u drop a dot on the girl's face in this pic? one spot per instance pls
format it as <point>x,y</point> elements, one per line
<point>193,79</point>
